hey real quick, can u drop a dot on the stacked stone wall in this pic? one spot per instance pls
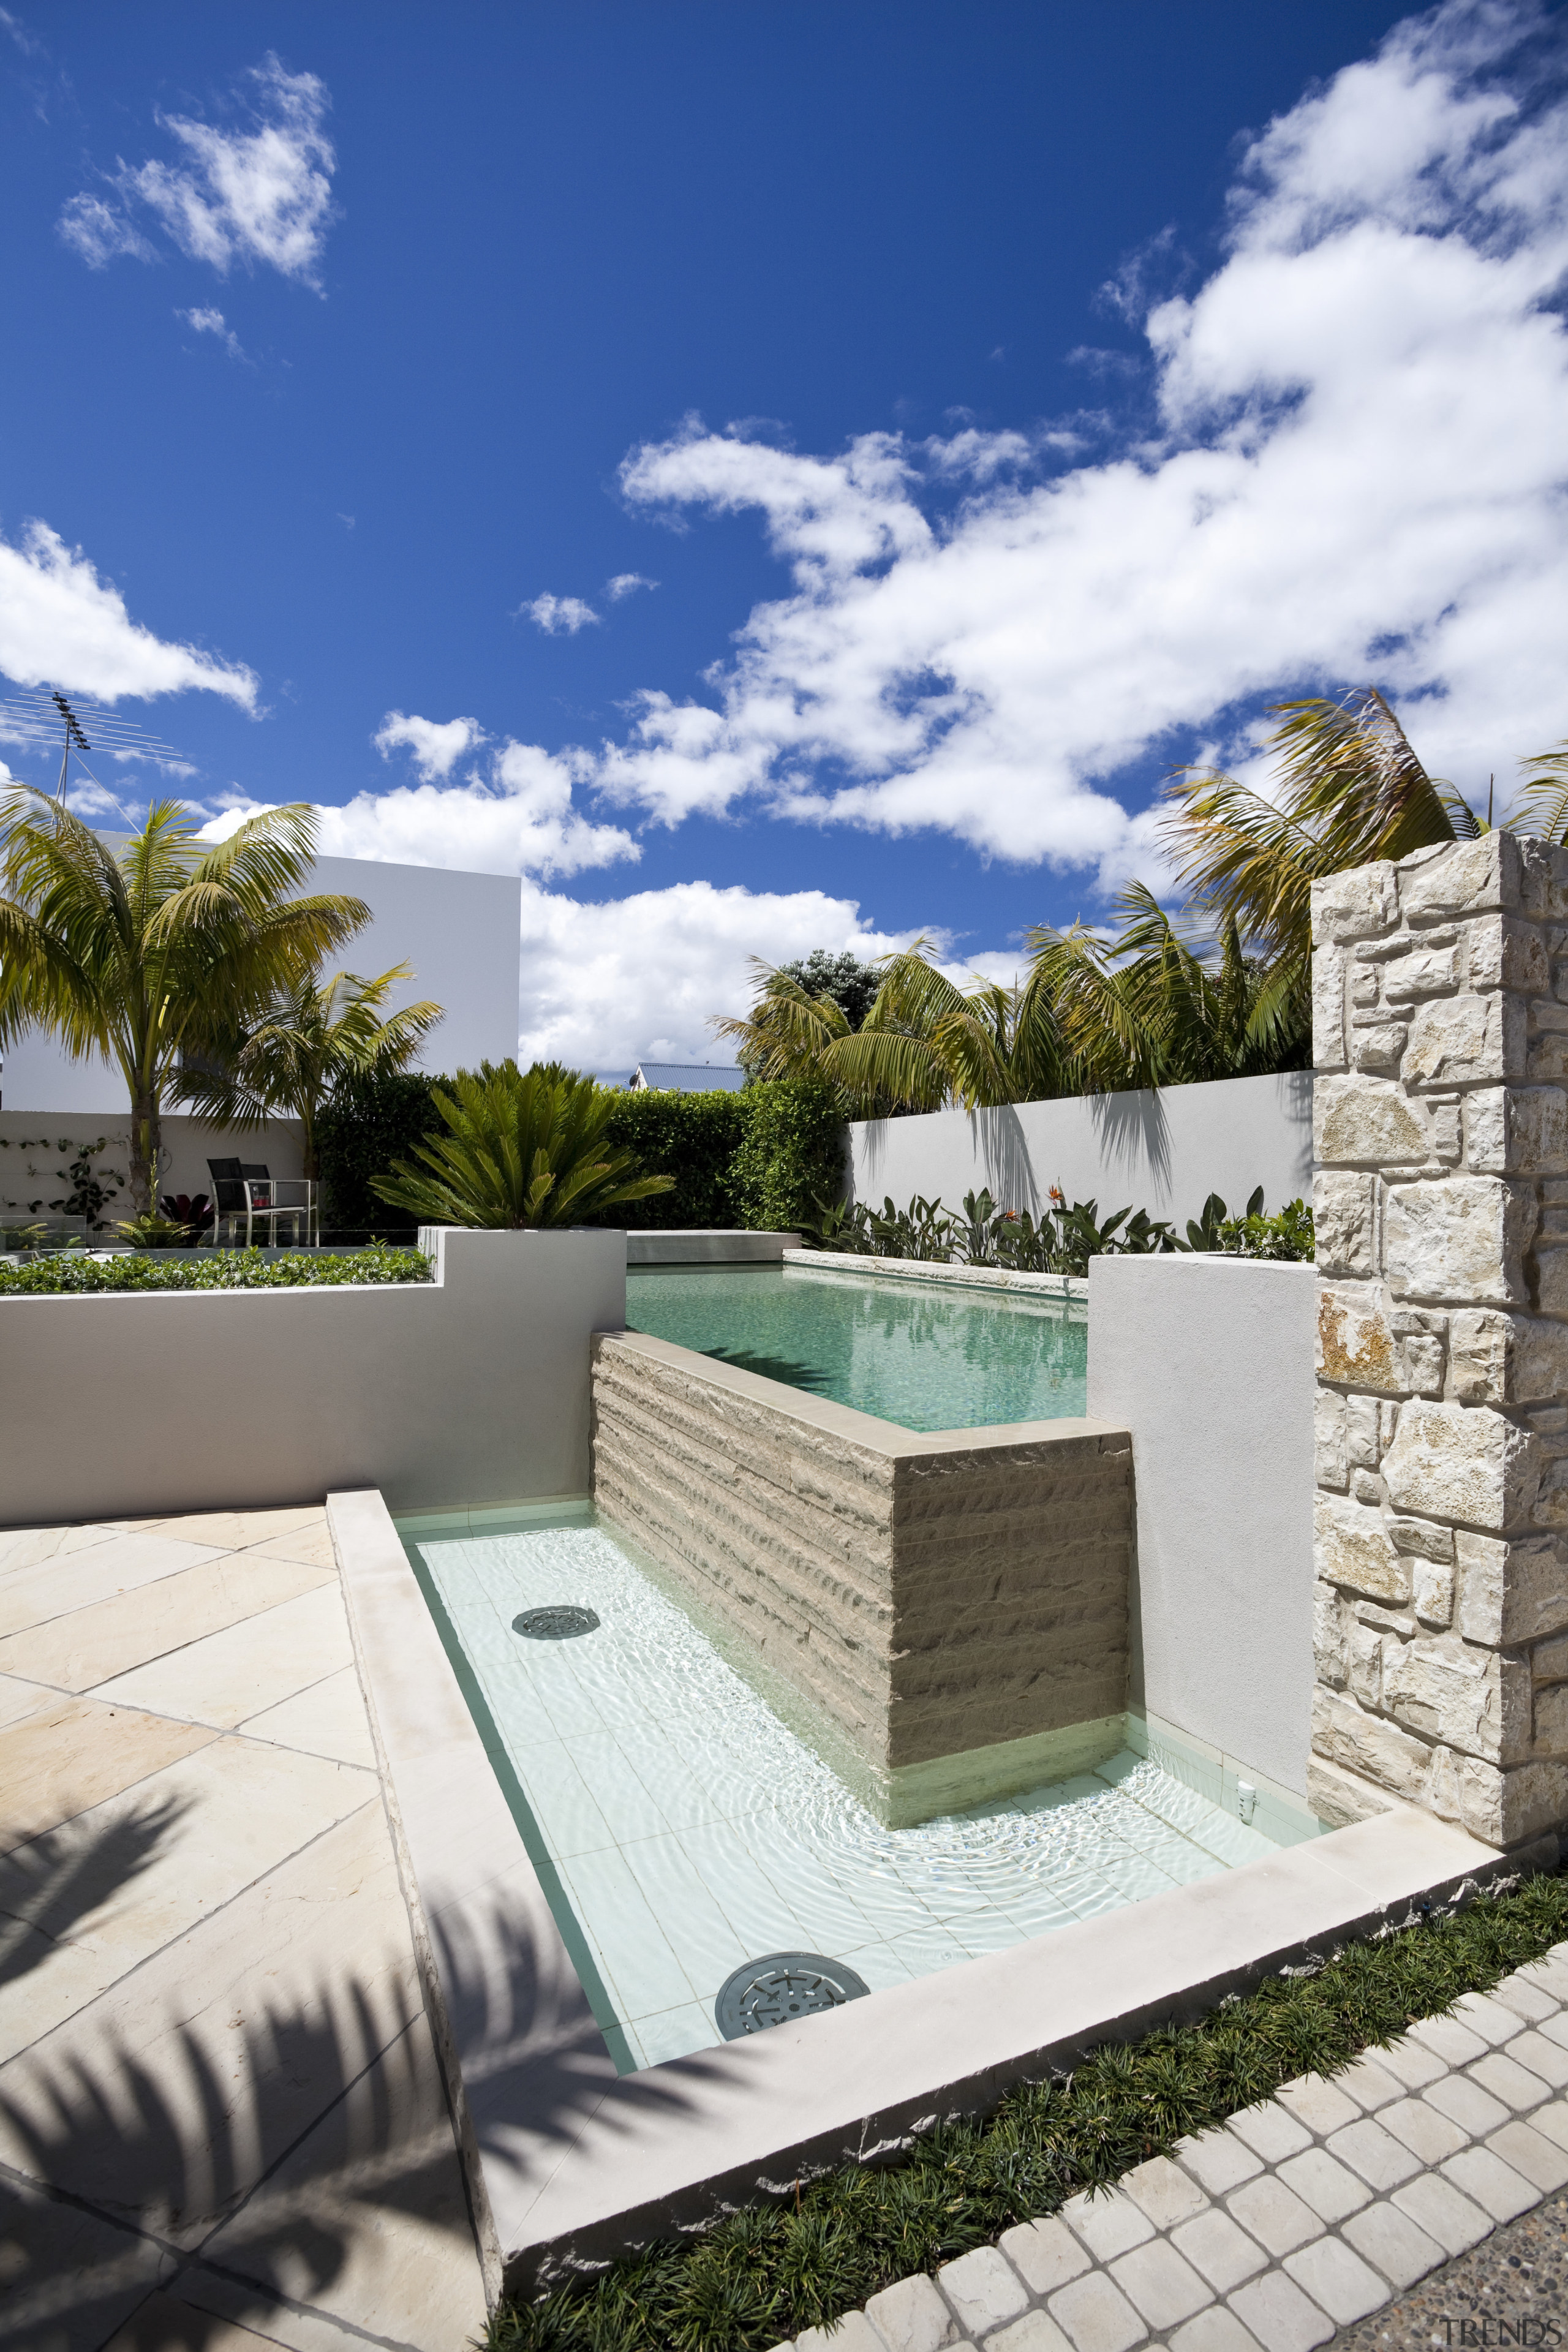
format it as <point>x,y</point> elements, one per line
<point>1440,1037</point>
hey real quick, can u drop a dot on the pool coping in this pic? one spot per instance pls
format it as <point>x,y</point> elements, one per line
<point>948,1271</point>
<point>569,2163</point>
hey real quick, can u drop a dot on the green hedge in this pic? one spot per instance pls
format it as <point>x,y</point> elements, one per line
<point>762,1157</point>
<point>370,1123</point>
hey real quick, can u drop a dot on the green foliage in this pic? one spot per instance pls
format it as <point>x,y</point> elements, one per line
<point>210,1269</point>
<point>1063,1242</point>
<point>790,1153</point>
<point>1288,1236</point>
<point>763,2273</point>
<point>851,984</point>
<point>693,1138</point>
<point>373,1119</point>
<point>524,1149</point>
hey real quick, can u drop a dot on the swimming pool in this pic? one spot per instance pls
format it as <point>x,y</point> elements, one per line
<point>926,1357</point>
<point>681,1829</point>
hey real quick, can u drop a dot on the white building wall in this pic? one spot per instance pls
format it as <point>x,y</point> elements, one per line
<point>1208,1361</point>
<point>460,931</point>
<point>1162,1151</point>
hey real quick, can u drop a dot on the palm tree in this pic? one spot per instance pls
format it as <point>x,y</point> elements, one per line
<point>305,1043</point>
<point>524,1149</point>
<point>923,1043</point>
<point>1152,1007</point>
<point>153,955</point>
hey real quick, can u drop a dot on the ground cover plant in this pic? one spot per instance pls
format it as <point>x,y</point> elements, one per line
<point>767,2272</point>
<point>1065,1237</point>
<point>209,1269</point>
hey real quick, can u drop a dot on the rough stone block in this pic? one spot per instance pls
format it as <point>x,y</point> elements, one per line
<point>1366,1343</point>
<point>1329,1009</point>
<point>1452,1694</point>
<point>1551,1281</point>
<point>1352,1547</point>
<point>1329,1434</point>
<point>1343,1734</point>
<point>1378,1047</point>
<point>1510,1592</point>
<point>1517,1130</point>
<point>1345,1211</point>
<point>1330,1648</point>
<point>1474,877</point>
<point>1433,1592</point>
<point>1364,1654</point>
<point>1507,1359</point>
<point>1459,1041</point>
<point>1549,1660</point>
<point>1361,1447</point>
<point>1434,973</point>
<point>1504,1808</point>
<point>1465,1463</point>
<point>1505,953</point>
<point>1461,1238</point>
<point>1424,1541</point>
<point>1552,1720</point>
<point>1358,904</point>
<point>1369,1120</point>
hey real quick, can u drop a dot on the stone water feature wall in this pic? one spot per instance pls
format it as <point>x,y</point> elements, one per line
<point>1440,1037</point>
<point>949,1612</point>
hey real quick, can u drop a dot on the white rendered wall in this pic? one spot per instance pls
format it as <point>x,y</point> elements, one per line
<point>1209,1363</point>
<point>31,1159</point>
<point>460,931</point>
<point>1164,1151</point>
<point>470,1390</point>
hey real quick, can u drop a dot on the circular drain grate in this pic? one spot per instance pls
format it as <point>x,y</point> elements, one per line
<point>771,1991</point>
<point>562,1624</point>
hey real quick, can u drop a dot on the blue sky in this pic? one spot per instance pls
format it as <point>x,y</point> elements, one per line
<point>978,412</point>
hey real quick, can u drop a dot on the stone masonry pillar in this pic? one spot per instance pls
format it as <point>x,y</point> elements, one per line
<point>1440,1037</point>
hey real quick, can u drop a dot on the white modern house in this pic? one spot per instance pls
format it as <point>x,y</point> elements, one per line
<point>689,1077</point>
<point>459,933</point>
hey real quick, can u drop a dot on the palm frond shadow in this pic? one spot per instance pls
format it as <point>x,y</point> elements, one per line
<point>272,2155</point>
<point>54,1881</point>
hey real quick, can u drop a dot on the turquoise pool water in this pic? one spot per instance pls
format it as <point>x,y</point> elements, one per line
<point>680,1828</point>
<point>923,1356</point>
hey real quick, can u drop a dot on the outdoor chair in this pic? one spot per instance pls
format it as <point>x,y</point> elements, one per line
<point>240,1189</point>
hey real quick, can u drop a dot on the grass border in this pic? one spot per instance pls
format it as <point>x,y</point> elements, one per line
<point>766,2272</point>
<point>71,1273</point>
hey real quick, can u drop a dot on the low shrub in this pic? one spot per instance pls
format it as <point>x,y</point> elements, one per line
<point>694,1139</point>
<point>1064,1240</point>
<point>210,1269</point>
<point>370,1123</point>
<point>791,1154</point>
<point>766,2272</point>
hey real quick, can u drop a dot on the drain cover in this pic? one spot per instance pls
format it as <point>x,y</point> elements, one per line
<point>562,1624</point>
<point>785,1984</point>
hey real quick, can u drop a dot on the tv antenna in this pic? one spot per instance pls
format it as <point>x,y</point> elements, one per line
<point>37,721</point>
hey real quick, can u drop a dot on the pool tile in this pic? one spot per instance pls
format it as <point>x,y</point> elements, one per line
<point>676,2032</point>
<point>563,1803</point>
<point>705,1942</point>
<point>636,1955</point>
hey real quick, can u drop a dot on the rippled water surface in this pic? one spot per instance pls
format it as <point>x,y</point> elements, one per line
<point>686,1830</point>
<point>924,1356</point>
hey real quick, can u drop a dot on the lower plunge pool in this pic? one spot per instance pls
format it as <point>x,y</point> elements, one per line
<point>681,1829</point>
<point>923,1354</point>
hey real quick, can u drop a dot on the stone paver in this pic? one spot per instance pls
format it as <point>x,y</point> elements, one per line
<point>1305,2214</point>
<point>212,2040</point>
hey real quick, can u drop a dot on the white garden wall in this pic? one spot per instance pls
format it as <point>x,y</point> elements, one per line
<point>32,1161</point>
<point>1209,1363</point>
<point>469,1390</point>
<point>1164,1151</point>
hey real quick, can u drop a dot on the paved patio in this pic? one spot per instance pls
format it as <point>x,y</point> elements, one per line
<point>221,2118</point>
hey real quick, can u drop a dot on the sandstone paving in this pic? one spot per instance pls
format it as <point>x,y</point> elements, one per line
<point>36,1595</point>
<point>110,1637</point>
<point>69,1755</point>
<point>225,1677</point>
<point>1244,2240</point>
<point>224,2123</point>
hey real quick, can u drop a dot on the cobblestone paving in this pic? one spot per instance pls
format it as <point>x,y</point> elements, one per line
<point>1301,2216</point>
<point>1513,2290</point>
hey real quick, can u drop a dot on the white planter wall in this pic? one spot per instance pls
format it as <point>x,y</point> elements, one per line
<point>1162,1151</point>
<point>31,1159</point>
<point>1209,1363</point>
<point>469,1390</point>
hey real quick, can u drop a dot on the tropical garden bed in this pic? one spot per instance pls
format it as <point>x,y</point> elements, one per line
<point>72,1271</point>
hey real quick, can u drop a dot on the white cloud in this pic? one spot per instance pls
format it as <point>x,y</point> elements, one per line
<point>436,746</point>
<point>213,322</point>
<point>638,978</point>
<point>558,616</point>
<point>60,624</point>
<point>247,195</point>
<point>1357,474</point>
<point>626,584</point>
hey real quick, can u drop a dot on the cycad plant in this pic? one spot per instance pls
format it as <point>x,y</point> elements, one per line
<point>309,1039</point>
<point>152,955</point>
<point>523,1147</point>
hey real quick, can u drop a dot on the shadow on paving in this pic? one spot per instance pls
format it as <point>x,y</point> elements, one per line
<point>56,1879</point>
<point>270,2159</point>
